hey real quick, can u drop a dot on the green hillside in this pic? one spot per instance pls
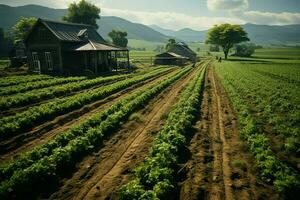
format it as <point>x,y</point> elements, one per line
<point>10,15</point>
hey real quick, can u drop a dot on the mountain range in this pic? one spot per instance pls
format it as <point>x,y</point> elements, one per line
<point>262,34</point>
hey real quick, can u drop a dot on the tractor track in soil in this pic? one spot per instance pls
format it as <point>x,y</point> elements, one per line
<point>21,143</point>
<point>220,168</point>
<point>100,175</point>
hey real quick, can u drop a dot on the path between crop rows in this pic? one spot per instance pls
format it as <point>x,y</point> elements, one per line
<point>49,130</point>
<point>99,176</point>
<point>220,167</point>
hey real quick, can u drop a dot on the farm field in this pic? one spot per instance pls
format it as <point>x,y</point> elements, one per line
<point>212,130</point>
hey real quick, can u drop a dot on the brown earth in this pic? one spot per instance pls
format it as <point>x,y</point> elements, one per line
<point>100,175</point>
<point>220,166</point>
<point>41,134</point>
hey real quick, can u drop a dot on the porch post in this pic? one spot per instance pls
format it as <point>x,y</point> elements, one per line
<point>85,59</point>
<point>128,62</point>
<point>95,63</point>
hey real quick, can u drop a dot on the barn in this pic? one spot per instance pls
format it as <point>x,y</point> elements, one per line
<point>169,58</point>
<point>179,54</point>
<point>184,50</point>
<point>54,47</point>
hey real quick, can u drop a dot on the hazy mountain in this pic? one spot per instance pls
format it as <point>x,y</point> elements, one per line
<point>288,34</point>
<point>10,15</point>
<point>264,34</point>
<point>185,34</point>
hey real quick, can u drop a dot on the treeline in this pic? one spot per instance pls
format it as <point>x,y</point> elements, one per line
<point>6,43</point>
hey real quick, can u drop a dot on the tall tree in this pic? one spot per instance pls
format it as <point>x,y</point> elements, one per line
<point>6,43</point>
<point>119,38</point>
<point>84,13</point>
<point>170,44</point>
<point>22,27</point>
<point>226,36</point>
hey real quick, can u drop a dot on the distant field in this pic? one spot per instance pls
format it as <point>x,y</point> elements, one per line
<point>278,53</point>
<point>149,46</point>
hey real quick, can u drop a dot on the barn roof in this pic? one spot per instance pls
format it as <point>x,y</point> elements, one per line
<point>183,50</point>
<point>170,54</point>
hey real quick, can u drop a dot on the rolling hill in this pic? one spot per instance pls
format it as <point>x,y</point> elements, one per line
<point>10,15</point>
<point>262,34</point>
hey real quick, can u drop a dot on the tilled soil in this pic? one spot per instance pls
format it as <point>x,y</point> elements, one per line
<point>100,175</point>
<point>41,134</point>
<point>220,166</point>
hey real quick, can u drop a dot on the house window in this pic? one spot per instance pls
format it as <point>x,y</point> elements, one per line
<point>36,62</point>
<point>49,62</point>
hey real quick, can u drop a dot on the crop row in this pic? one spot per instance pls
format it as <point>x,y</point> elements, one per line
<point>23,99</point>
<point>15,80</point>
<point>155,178</point>
<point>48,162</point>
<point>284,178</point>
<point>11,125</point>
<point>277,101</point>
<point>37,85</point>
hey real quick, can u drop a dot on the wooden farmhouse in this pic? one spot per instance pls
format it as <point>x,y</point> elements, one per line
<point>66,48</point>
<point>179,54</point>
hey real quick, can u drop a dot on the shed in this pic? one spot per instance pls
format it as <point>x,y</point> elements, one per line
<point>169,58</point>
<point>67,48</point>
<point>184,50</point>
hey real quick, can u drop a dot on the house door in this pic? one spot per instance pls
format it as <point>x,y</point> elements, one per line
<point>49,62</point>
<point>36,62</point>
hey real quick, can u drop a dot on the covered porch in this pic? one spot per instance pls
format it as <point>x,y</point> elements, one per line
<point>97,58</point>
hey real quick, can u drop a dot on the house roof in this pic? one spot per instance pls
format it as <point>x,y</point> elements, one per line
<point>70,32</point>
<point>85,37</point>
<point>94,46</point>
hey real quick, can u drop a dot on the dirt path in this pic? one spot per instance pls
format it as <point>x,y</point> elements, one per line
<point>100,175</point>
<point>49,130</point>
<point>220,166</point>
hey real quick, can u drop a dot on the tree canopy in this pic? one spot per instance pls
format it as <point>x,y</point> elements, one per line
<point>6,43</point>
<point>226,36</point>
<point>170,44</point>
<point>83,12</point>
<point>245,49</point>
<point>119,38</point>
<point>22,28</point>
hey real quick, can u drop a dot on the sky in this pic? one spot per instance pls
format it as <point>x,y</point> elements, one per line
<point>195,14</point>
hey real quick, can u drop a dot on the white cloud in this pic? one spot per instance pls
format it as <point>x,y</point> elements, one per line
<point>227,4</point>
<point>269,18</point>
<point>169,20</point>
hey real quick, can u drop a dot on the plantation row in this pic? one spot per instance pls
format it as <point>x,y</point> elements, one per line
<point>12,125</point>
<point>277,101</point>
<point>289,73</point>
<point>22,99</point>
<point>156,177</point>
<point>48,163</point>
<point>24,87</point>
<point>284,178</point>
<point>15,80</point>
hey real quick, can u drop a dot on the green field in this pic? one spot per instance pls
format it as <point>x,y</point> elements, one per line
<point>161,130</point>
<point>265,92</point>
